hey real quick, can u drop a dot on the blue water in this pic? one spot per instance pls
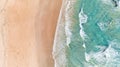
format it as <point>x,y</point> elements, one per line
<point>94,34</point>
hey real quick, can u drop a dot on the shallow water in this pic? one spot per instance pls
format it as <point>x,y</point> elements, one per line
<point>91,34</point>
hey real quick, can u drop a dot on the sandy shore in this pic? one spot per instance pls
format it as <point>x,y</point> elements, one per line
<point>27,30</point>
<point>45,26</point>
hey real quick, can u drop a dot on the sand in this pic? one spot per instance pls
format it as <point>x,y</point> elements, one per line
<point>27,29</point>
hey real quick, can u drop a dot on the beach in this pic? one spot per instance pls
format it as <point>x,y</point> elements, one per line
<point>27,29</point>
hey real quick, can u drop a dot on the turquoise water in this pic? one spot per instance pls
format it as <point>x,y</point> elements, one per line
<point>93,33</point>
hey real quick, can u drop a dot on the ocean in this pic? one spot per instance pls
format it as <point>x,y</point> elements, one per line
<point>88,34</point>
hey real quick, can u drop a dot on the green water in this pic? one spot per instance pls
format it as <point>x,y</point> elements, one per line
<point>99,46</point>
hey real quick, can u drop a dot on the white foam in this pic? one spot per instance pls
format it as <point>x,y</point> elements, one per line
<point>109,56</point>
<point>102,26</point>
<point>82,19</point>
<point>68,24</point>
<point>84,45</point>
<point>68,33</point>
<point>59,50</point>
<point>119,3</point>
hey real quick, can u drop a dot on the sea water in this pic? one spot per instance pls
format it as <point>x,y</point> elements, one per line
<point>90,34</point>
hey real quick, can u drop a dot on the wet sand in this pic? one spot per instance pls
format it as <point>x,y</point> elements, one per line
<point>27,30</point>
<point>45,26</point>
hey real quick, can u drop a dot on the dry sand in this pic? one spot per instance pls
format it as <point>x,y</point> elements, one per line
<point>27,30</point>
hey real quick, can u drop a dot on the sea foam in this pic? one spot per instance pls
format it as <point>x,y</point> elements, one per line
<point>82,19</point>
